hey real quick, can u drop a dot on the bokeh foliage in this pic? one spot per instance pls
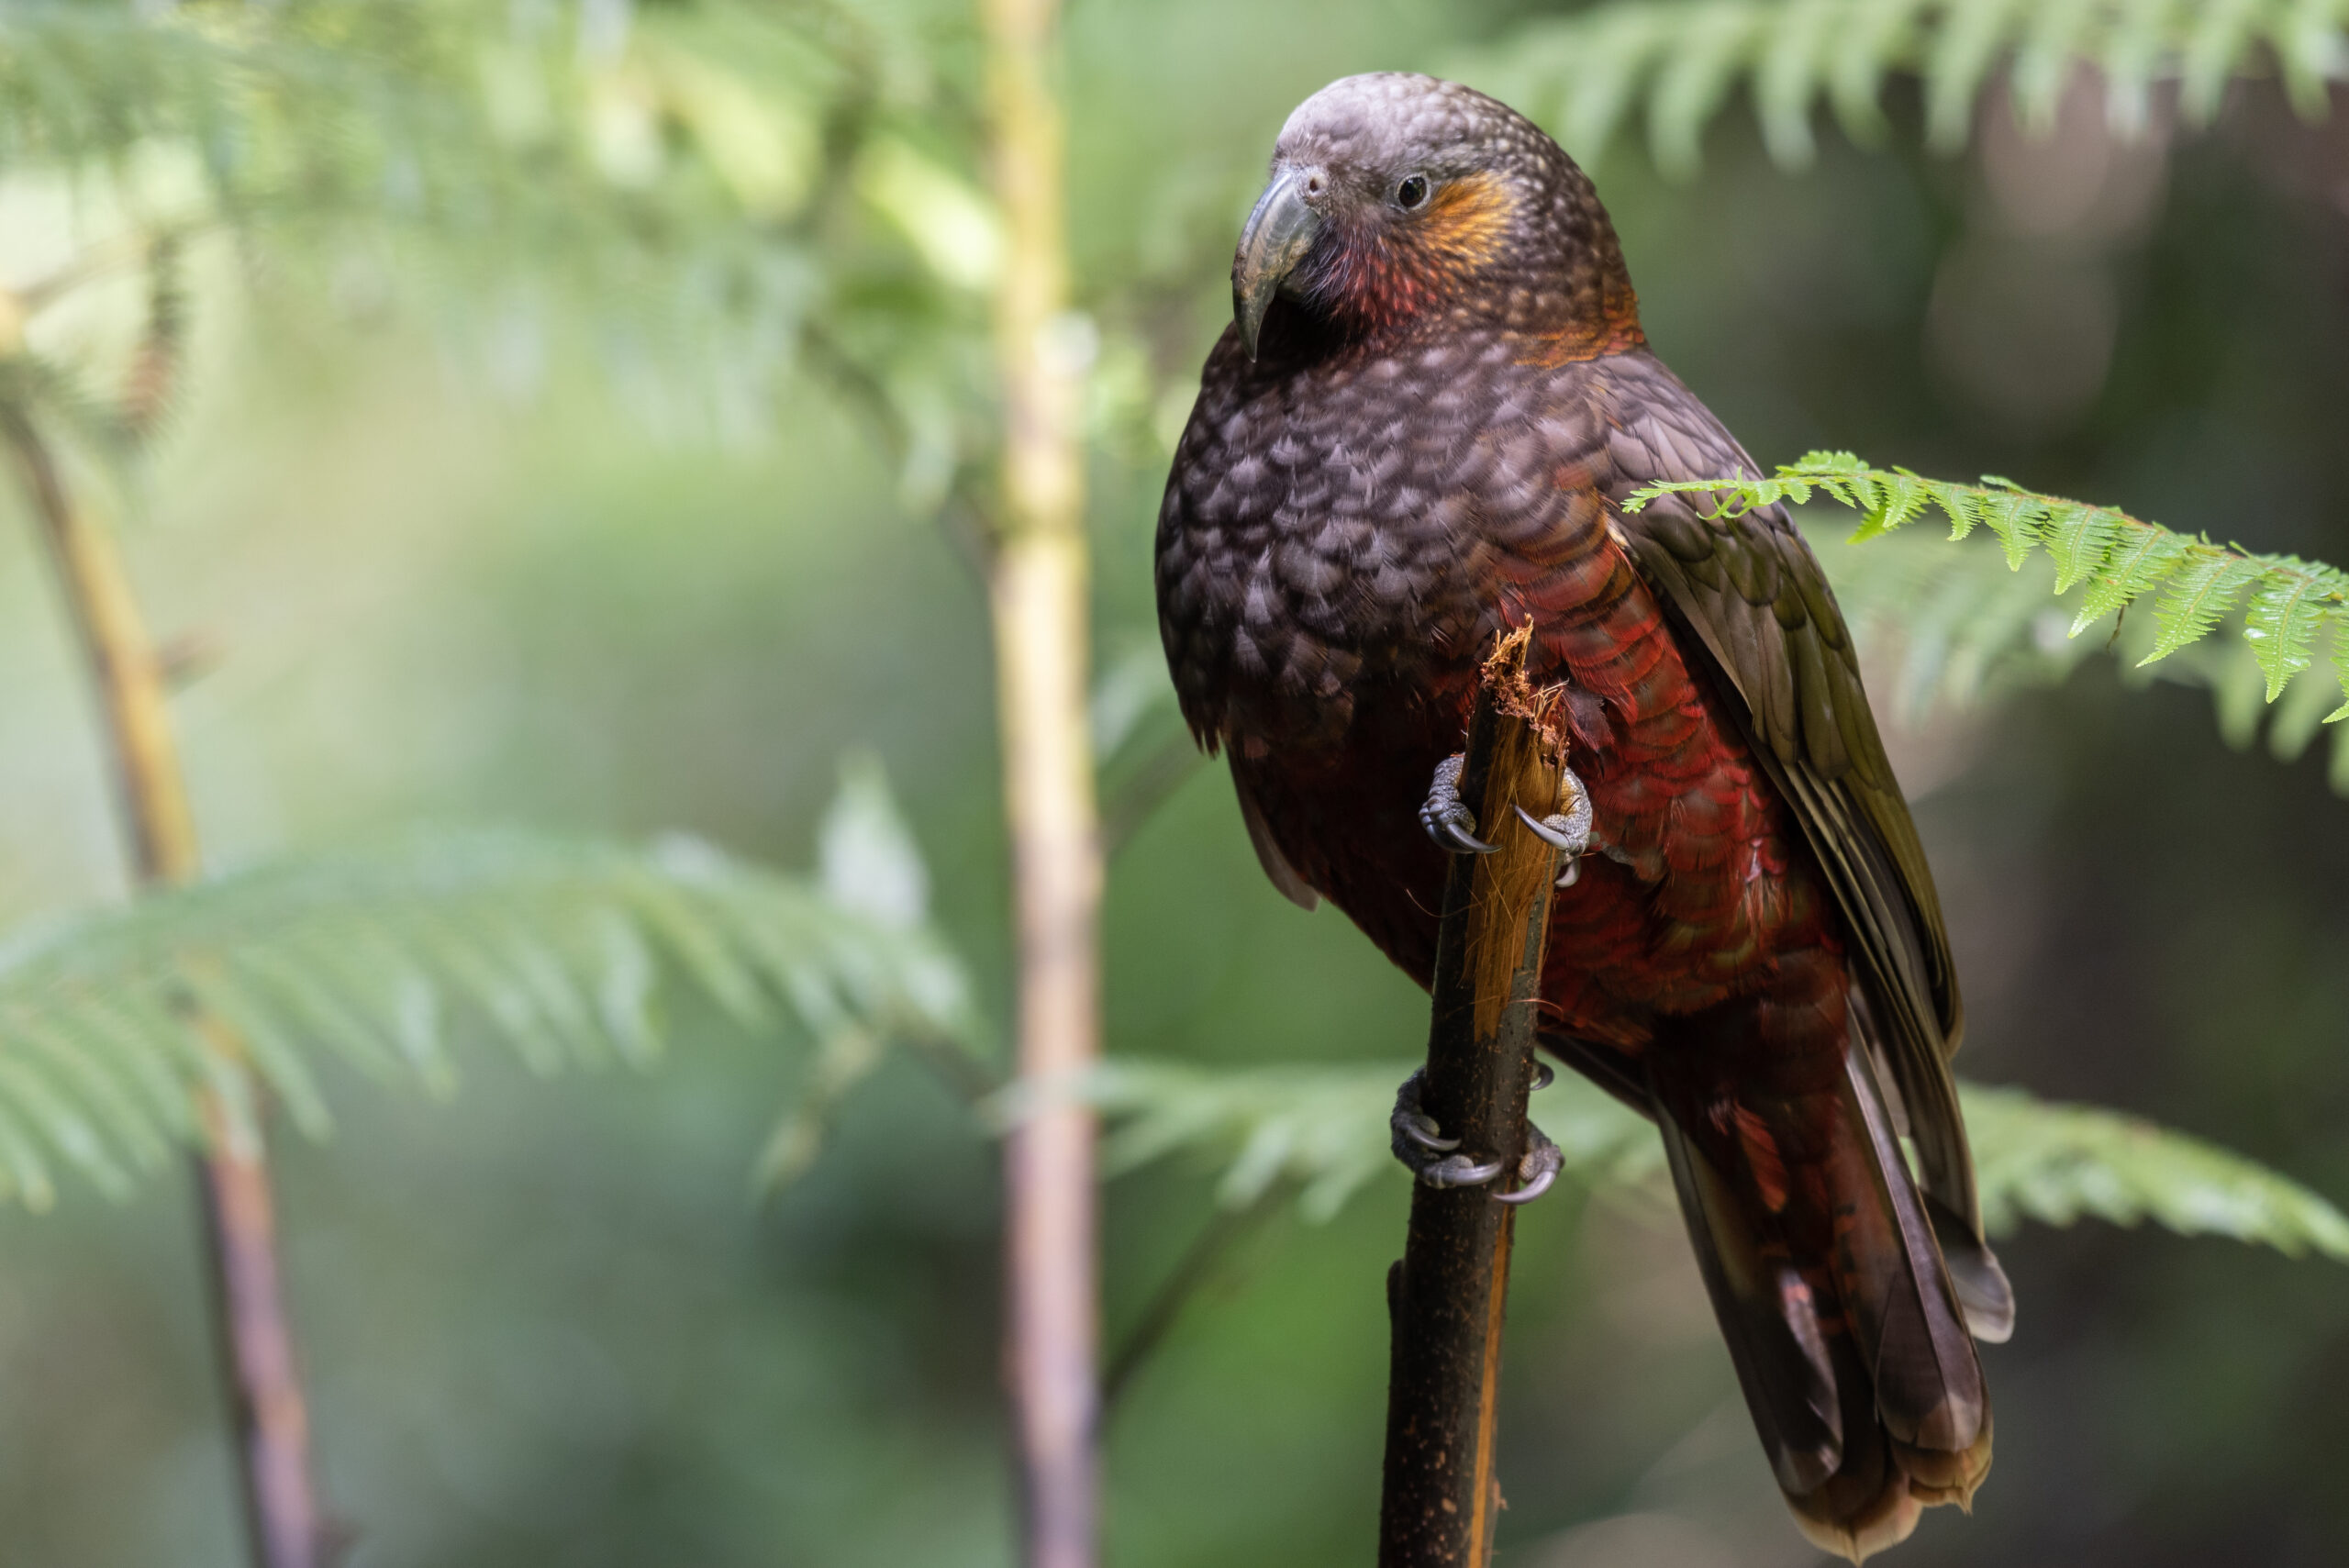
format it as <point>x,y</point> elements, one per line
<point>586,390</point>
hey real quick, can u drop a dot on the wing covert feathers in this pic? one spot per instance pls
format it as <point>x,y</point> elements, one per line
<point>1748,591</point>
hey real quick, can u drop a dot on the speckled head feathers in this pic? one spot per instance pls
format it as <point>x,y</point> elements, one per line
<point>1396,122</point>
<point>1411,199</point>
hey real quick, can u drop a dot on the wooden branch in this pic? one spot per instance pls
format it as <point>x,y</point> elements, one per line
<point>1037,583</point>
<point>1445,1297</point>
<point>239,1223</point>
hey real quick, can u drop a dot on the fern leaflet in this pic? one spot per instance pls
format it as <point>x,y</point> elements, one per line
<point>2133,567</point>
<point>2283,621</point>
<point>2115,556</point>
<point>1325,1129</point>
<point>2205,585</point>
<point>1584,75</point>
<point>387,955</point>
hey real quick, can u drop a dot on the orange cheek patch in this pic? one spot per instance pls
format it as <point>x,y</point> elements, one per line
<point>1464,223</point>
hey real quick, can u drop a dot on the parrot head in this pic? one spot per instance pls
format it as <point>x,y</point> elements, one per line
<point>1396,197</point>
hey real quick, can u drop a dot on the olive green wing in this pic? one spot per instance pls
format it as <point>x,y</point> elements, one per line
<point>1748,589</point>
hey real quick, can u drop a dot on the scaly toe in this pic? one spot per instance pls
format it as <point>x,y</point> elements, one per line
<point>1538,1170</point>
<point>1452,832</point>
<point>1446,816</point>
<point>1424,1131</point>
<point>1460,1171</point>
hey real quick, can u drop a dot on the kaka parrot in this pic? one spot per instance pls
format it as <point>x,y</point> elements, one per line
<point>1418,432</point>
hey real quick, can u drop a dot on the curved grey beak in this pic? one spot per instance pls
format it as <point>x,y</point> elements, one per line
<point>1279,233</point>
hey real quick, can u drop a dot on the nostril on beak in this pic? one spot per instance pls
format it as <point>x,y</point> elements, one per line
<point>1313,186</point>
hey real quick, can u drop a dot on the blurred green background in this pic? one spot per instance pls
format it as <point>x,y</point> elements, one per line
<point>459,568</point>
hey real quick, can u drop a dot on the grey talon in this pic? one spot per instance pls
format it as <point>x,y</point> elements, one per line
<point>1558,832</point>
<point>1539,1170</point>
<point>1416,1133</point>
<point>1459,840</point>
<point>1446,816</point>
<point>1532,1190</point>
<point>1418,1139</point>
<point>1460,1171</point>
<point>1568,831</point>
<point>1544,1077</point>
<point>1424,1131</point>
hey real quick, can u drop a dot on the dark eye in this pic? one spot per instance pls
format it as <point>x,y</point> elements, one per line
<point>1411,192</point>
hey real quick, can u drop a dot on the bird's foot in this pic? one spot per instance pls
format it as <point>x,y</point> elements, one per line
<point>1567,830</point>
<point>1435,1161</point>
<point>1446,816</point>
<point>1453,826</point>
<point>1538,1170</point>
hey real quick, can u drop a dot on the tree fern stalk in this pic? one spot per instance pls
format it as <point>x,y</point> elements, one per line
<point>239,1211</point>
<point>1037,594</point>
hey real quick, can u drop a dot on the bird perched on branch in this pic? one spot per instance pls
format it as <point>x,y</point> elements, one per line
<point>1418,431</point>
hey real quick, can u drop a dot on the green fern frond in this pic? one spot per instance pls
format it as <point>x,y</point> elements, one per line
<point>1955,626</point>
<point>1324,1129</point>
<point>2115,557</point>
<point>388,956</point>
<point>2285,617</point>
<point>2340,668</point>
<point>1582,75</point>
<point>2132,569</point>
<point>34,389</point>
<point>668,189</point>
<point>2201,591</point>
<point>2060,1164</point>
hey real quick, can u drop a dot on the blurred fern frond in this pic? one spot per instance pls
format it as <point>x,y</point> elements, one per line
<point>387,955</point>
<point>2106,561</point>
<point>2060,1164</point>
<point>1145,751</point>
<point>1325,1129</point>
<point>1322,1128</point>
<point>1956,626</point>
<point>675,188</point>
<point>1583,74</point>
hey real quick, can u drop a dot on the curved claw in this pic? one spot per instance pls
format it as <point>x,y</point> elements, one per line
<point>1543,1160</point>
<point>1573,874</point>
<point>1446,816</point>
<point>1424,1131</point>
<point>1544,1077</point>
<point>1460,1171</point>
<point>1557,831</point>
<point>1532,1190</point>
<point>1449,834</point>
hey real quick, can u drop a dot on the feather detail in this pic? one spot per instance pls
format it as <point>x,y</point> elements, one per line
<point>1821,1258</point>
<point>1756,954</point>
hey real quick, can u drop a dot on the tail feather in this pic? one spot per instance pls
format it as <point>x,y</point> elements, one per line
<point>1897,1289</point>
<point>1983,1293</point>
<point>1772,1323</point>
<point>1842,1317</point>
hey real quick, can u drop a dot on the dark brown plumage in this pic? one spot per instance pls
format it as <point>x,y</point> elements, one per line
<point>1419,431</point>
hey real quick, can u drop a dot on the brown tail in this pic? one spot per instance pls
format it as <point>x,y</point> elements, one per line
<point>1824,1272</point>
